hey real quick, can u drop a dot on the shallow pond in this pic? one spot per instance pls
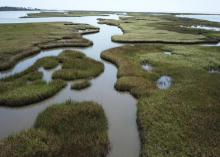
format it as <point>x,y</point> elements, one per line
<point>120,108</point>
<point>215,71</point>
<point>47,74</point>
<point>168,53</point>
<point>147,67</point>
<point>164,82</point>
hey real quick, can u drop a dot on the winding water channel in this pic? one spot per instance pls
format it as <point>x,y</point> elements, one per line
<point>120,108</point>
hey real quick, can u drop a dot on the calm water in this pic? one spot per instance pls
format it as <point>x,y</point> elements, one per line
<point>217,29</point>
<point>164,82</point>
<point>213,18</point>
<point>120,108</point>
<point>147,67</point>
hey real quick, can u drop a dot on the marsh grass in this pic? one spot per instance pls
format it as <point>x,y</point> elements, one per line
<point>82,84</point>
<point>30,93</point>
<point>77,66</point>
<point>47,63</point>
<point>183,120</point>
<point>27,87</point>
<point>22,40</point>
<point>65,130</point>
<point>161,29</point>
<point>67,14</point>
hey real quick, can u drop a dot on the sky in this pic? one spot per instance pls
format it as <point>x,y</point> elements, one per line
<point>191,6</point>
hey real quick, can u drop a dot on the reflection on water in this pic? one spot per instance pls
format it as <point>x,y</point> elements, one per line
<point>120,108</point>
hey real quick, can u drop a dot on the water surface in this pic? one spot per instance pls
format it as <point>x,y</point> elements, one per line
<point>164,82</point>
<point>168,53</point>
<point>213,18</point>
<point>203,27</point>
<point>47,74</point>
<point>147,67</point>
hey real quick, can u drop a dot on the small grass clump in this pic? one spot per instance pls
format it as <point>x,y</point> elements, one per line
<point>33,142</point>
<point>22,40</point>
<point>48,63</point>
<point>30,93</point>
<point>65,130</point>
<point>146,28</point>
<point>81,85</point>
<point>182,120</point>
<point>77,66</point>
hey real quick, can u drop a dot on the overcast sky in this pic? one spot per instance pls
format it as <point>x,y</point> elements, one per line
<point>202,6</point>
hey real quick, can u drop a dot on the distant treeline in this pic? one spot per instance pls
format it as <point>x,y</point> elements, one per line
<point>6,8</point>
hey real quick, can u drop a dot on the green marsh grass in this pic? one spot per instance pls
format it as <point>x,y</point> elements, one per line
<point>77,66</point>
<point>48,63</point>
<point>64,130</point>
<point>27,87</point>
<point>168,29</point>
<point>82,84</point>
<point>183,120</point>
<point>22,40</point>
<point>67,14</point>
<point>30,93</point>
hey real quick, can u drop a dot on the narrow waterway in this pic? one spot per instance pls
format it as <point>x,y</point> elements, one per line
<point>120,108</point>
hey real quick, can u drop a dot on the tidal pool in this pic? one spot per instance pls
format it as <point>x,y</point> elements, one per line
<point>168,53</point>
<point>120,107</point>
<point>215,70</point>
<point>164,82</point>
<point>147,67</point>
<point>47,74</point>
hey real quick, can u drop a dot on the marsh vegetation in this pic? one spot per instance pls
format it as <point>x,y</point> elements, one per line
<point>183,119</point>
<point>23,40</point>
<point>82,84</point>
<point>179,118</point>
<point>61,131</point>
<point>67,14</point>
<point>28,87</point>
<point>76,65</point>
<point>168,29</point>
